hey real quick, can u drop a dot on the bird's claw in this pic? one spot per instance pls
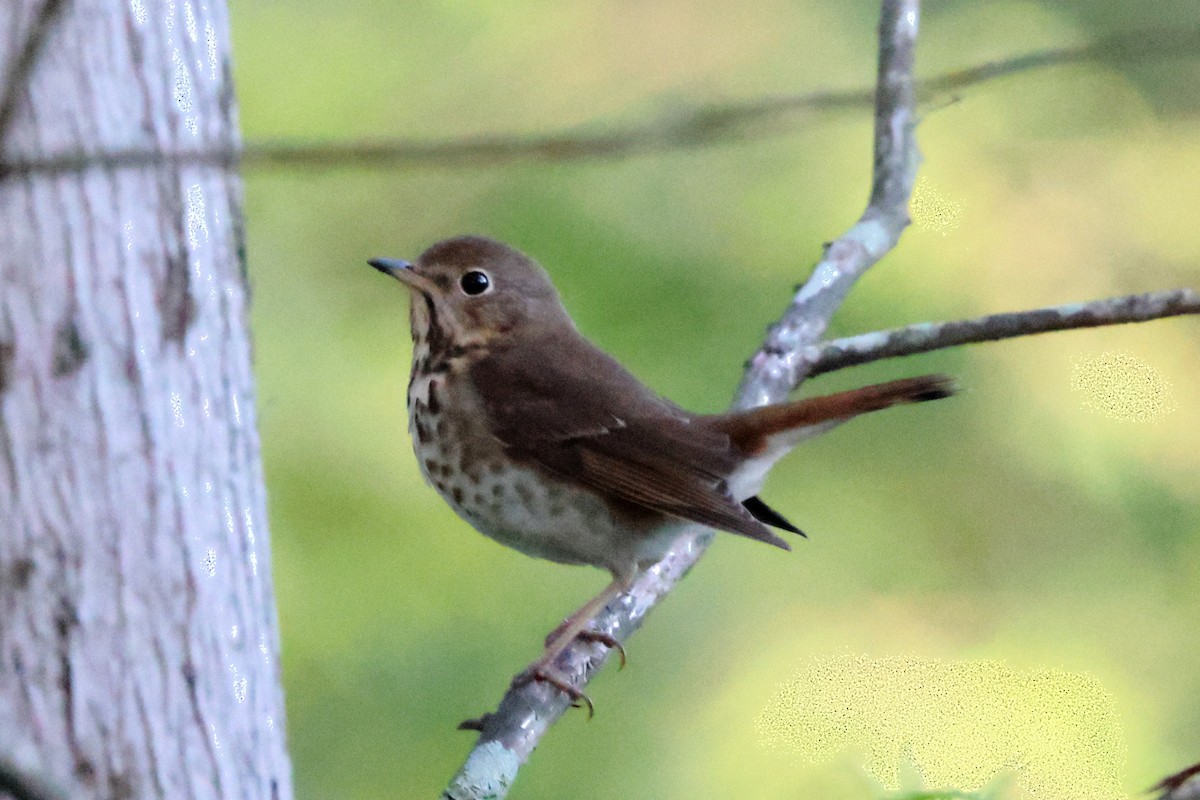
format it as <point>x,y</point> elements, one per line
<point>605,639</point>
<point>537,674</point>
<point>587,635</point>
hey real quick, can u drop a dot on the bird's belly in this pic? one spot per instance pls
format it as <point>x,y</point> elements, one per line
<point>542,518</point>
<point>539,516</point>
<point>520,506</point>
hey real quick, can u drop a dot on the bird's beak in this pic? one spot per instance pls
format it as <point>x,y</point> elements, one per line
<point>402,271</point>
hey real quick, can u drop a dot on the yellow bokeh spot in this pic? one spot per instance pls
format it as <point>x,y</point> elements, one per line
<point>960,724</point>
<point>1121,386</point>
<point>932,210</point>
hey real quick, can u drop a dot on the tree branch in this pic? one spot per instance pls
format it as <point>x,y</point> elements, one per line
<point>770,376</point>
<point>926,336</point>
<point>702,126</point>
<point>525,714</point>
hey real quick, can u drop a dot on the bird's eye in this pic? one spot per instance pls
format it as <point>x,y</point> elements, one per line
<point>475,282</point>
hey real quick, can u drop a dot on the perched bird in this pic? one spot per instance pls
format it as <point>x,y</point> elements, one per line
<point>545,443</point>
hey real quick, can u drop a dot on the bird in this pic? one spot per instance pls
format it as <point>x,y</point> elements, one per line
<point>545,443</point>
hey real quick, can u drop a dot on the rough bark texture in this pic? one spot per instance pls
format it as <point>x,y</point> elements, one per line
<point>138,638</point>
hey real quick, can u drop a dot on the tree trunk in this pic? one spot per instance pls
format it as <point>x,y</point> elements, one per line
<point>139,651</point>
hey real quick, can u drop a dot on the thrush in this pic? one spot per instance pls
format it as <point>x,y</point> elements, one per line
<point>545,443</point>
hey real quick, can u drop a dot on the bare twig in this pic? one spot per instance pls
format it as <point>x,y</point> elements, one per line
<point>769,375</point>
<point>510,734</point>
<point>18,72</point>
<point>926,336</point>
<point>1116,48</point>
<point>702,126</point>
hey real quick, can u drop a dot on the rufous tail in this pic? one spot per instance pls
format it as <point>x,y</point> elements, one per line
<point>751,431</point>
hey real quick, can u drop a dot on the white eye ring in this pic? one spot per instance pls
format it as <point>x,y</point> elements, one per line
<point>475,282</point>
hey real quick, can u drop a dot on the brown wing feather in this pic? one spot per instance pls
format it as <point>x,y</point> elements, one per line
<point>585,418</point>
<point>670,488</point>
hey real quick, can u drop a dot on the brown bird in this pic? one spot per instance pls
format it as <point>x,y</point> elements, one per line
<point>543,442</point>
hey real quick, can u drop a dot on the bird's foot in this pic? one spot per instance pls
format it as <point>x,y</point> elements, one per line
<point>538,673</point>
<point>590,636</point>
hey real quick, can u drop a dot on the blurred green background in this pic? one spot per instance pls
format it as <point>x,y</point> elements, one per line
<point>1009,524</point>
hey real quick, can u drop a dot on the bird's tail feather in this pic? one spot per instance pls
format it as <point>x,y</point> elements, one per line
<point>752,431</point>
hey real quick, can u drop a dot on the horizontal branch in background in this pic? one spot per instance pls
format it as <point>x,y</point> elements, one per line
<point>926,336</point>
<point>702,126</point>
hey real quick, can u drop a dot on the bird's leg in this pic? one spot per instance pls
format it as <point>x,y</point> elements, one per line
<point>573,627</point>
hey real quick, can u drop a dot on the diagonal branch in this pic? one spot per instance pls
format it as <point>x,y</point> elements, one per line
<point>926,336</point>
<point>703,125</point>
<point>769,376</point>
<point>509,735</point>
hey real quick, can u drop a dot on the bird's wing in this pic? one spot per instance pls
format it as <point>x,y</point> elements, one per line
<point>587,420</point>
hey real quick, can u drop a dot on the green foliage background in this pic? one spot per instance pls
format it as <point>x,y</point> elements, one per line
<point>1007,524</point>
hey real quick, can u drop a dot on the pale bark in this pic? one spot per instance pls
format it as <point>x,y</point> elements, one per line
<point>139,651</point>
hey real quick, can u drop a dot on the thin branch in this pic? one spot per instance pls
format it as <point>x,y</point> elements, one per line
<point>702,126</point>
<point>525,714</point>
<point>926,336</point>
<point>17,74</point>
<point>770,375</point>
<point>1120,47</point>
